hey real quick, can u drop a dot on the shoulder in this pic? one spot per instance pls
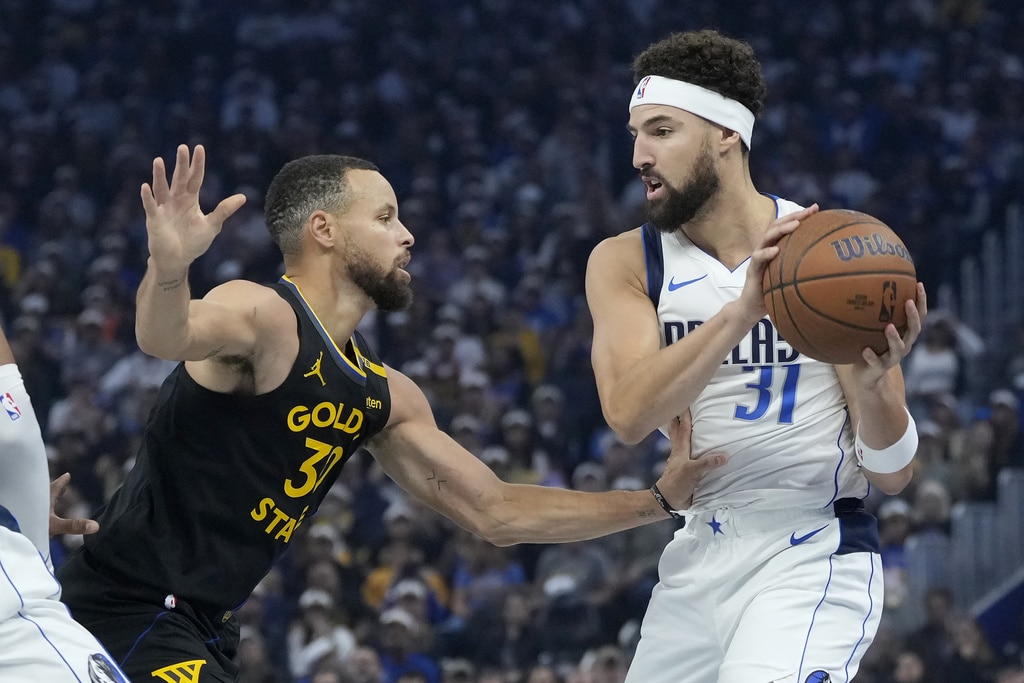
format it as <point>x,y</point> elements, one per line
<point>623,251</point>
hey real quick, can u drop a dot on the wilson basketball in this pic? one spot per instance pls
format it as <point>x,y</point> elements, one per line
<point>838,280</point>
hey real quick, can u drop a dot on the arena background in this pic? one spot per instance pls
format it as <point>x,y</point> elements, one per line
<point>501,126</point>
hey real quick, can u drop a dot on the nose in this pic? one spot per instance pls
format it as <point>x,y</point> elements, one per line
<point>405,237</point>
<point>641,154</point>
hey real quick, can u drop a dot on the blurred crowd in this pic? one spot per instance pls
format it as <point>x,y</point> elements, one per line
<point>501,126</point>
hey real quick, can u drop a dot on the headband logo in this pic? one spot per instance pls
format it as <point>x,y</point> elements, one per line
<point>642,87</point>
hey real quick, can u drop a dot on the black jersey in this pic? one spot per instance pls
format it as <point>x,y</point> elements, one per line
<point>222,481</point>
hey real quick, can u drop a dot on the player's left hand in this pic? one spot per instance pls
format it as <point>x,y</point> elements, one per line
<point>876,366</point>
<point>682,472</point>
<point>59,525</point>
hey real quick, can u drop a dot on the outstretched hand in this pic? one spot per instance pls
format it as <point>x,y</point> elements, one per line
<point>682,472</point>
<point>59,525</point>
<point>179,232</point>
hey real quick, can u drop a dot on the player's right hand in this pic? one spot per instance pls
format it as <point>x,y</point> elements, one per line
<point>751,300</point>
<point>682,472</point>
<point>179,232</point>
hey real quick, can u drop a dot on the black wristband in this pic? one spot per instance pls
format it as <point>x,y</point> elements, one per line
<point>664,503</point>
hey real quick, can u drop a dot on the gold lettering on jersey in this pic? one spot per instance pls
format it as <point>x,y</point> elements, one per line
<point>280,524</point>
<point>325,414</point>
<point>373,403</point>
<point>183,672</point>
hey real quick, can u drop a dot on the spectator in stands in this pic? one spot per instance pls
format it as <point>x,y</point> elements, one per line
<point>399,651</point>
<point>317,633</point>
<point>1008,436</point>
<point>972,659</point>
<point>933,640</point>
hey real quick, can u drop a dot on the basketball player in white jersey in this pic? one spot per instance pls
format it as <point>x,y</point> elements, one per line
<point>39,641</point>
<point>776,575</point>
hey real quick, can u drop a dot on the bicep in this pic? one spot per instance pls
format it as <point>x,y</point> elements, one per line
<point>626,327</point>
<point>229,320</point>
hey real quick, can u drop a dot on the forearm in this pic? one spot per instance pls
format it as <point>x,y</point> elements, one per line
<point>882,416</point>
<point>162,312</point>
<point>535,514</point>
<point>660,387</point>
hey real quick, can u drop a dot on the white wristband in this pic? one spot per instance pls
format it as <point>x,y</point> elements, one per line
<point>891,459</point>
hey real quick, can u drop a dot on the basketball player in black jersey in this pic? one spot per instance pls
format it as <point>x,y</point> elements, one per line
<point>275,391</point>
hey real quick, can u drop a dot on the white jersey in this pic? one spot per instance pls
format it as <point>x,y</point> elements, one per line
<point>781,417</point>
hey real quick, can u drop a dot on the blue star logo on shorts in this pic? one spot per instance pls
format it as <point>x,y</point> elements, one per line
<point>716,526</point>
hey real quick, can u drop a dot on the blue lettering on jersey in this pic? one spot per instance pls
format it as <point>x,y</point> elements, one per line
<point>766,346</point>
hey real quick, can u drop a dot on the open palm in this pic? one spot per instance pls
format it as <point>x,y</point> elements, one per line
<point>179,232</point>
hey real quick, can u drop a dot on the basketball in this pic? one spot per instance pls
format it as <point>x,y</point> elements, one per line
<point>837,281</point>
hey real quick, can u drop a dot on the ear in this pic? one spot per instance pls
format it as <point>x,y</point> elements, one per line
<point>728,140</point>
<point>322,227</point>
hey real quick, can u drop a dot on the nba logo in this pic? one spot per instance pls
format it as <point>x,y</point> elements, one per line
<point>641,88</point>
<point>13,411</point>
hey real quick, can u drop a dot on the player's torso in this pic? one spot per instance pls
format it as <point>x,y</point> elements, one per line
<point>223,481</point>
<point>780,416</point>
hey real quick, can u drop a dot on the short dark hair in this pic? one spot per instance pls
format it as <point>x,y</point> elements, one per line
<point>302,186</point>
<point>708,59</point>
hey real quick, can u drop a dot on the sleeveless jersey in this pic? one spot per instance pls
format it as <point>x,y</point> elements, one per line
<point>222,481</point>
<point>780,416</point>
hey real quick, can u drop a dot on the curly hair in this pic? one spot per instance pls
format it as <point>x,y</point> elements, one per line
<point>710,60</point>
<point>308,184</point>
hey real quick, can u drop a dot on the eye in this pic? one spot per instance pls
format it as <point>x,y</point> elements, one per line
<point>662,132</point>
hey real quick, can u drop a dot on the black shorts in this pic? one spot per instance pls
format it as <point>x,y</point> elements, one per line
<point>146,638</point>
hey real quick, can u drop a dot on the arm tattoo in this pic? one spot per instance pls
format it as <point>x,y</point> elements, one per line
<point>168,285</point>
<point>644,514</point>
<point>433,476</point>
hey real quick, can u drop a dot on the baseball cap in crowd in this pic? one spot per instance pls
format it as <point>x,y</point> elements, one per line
<point>894,507</point>
<point>457,669</point>
<point>465,422</point>
<point>400,509</point>
<point>397,615</point>
<point>1003,397</point>
<point>494,455</point>
<point>409,588</point>
<point>314,597</point>
<point>516,418</point>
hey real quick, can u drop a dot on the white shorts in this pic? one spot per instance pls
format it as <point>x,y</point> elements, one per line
<point>790,596</point>
<point>39,641</point>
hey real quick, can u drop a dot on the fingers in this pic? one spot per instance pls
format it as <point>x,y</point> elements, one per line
<point>181,169</point>
<point>84,527</point>
<point>709,462</point>
<point>198,170</point>
<point>160,189</point>
<point>226,208</point>
<point>57,487</point>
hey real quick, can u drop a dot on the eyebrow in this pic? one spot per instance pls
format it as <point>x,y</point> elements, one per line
<point>387,207</point>
<point>647,123</point>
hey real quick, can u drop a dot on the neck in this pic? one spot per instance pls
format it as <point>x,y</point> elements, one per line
<point>338,303</point>
<point>733,222</point>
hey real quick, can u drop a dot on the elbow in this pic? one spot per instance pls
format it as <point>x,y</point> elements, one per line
<point>893,484</point>
<point>494,532</point>
<point>626,426</point>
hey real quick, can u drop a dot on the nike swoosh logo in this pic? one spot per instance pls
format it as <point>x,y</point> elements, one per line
<point>673,285</point>
<point>795,540</point>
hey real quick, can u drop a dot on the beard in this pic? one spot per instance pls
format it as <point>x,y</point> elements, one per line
<point>683,205</point>
<point>384,288</point>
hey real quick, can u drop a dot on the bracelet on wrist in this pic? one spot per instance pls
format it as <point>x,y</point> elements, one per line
<point>656,492</point>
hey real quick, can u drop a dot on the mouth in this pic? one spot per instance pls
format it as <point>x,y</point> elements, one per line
<point>653,185</point>
<point>402,264</point>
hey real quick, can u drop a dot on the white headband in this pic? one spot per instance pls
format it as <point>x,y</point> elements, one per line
<point>704,103</point>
